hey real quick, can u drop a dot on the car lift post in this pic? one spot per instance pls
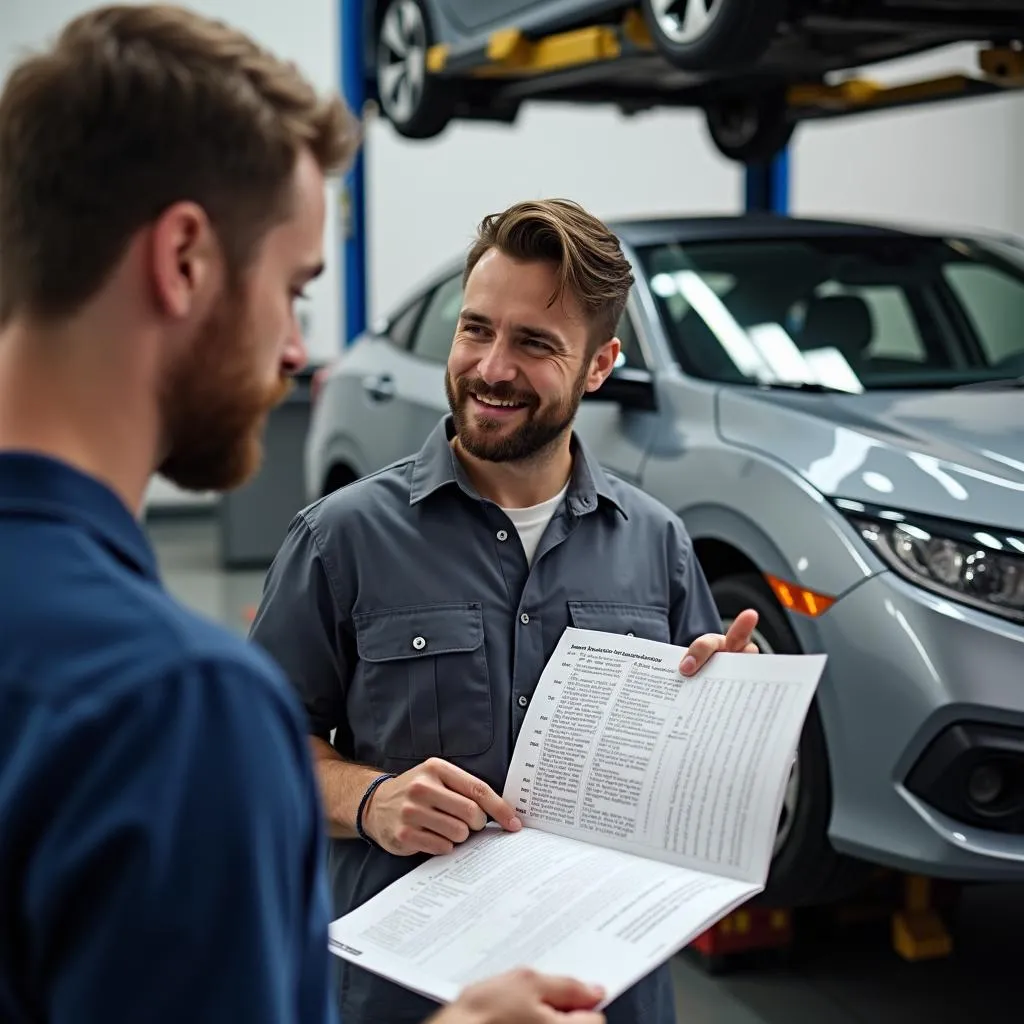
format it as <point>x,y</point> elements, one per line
<point>767,186</point>
<point>353,194</point>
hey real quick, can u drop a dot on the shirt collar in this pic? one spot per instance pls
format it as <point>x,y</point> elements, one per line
<point>43,487</point>
<point>436,466</point>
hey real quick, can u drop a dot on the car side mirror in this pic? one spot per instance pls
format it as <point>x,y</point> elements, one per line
<point>628,387</point>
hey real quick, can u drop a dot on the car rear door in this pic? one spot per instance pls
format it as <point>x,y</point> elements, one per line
<point>414,389</point>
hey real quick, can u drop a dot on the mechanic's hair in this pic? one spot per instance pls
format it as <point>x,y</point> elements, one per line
<point>132,109</point>
<point>591,265</point>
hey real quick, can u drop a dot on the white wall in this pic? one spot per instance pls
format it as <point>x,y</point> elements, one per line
<point>957,164</point>
<point>426,198</point>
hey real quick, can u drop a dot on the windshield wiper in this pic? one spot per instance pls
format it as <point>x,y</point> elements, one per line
<point>996,384</point>
<point>803,385</point>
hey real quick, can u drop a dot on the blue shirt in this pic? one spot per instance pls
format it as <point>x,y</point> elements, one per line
<point>161,841</point>
<point>404,611</point>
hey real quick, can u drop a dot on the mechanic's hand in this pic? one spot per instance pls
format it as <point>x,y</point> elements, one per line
<point>524,997</point>
<point>431,808</point>
<point>737,641</point>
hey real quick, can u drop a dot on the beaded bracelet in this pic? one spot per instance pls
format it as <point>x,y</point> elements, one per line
<point>370,790</point>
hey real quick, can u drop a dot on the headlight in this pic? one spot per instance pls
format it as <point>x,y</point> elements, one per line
<point>974,565</point>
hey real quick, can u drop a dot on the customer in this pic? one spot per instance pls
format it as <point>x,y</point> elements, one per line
<point>161,207</point>
<point>415,609</point>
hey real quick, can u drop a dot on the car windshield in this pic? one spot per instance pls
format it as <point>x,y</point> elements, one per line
<point>851,312</point>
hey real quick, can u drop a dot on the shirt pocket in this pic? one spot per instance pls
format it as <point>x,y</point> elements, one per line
<point>649,622</point>
<point>425,673</point>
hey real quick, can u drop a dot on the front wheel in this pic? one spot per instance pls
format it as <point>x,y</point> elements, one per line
<point>711,35</point>
<point>805,869</point>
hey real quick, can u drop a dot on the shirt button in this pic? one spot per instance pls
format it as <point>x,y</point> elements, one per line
<point>502,535</point>
<point>524,619</point>
<point>419,643</point>
<point>523,701</point>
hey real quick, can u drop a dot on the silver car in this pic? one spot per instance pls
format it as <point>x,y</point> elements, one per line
<point>836,413</point>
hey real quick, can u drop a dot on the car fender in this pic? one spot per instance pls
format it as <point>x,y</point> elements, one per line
<point>709,522</point>
<point>338,449</point>
<point>767,512</point>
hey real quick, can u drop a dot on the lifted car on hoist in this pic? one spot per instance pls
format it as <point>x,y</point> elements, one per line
<point>431,61</point>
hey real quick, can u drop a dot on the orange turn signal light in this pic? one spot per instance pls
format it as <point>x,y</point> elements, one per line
<point>799,599</point>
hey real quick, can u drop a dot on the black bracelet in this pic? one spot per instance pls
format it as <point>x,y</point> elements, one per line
<point>362,807</point>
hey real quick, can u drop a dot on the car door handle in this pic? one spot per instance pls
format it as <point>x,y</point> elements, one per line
<point>380,388</point>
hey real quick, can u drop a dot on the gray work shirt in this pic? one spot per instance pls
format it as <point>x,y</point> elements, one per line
<point>404,611</point>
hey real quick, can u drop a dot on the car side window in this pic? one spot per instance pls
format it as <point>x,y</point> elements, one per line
<point>896,335</point>
<point>400,330</point>
<point>994,302</point>
<point>436,329</point>
<point>630,354</point>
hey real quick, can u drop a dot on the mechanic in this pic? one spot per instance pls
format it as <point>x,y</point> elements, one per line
<point>161,848</point>
<point>415,609</point>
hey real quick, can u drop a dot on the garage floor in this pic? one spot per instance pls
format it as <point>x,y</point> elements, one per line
<point>854,980</point>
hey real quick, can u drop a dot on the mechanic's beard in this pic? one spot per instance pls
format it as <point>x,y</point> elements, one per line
<point>215,406</point>
<point>540,430</point>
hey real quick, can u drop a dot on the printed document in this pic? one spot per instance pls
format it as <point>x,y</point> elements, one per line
<point>650,803</point>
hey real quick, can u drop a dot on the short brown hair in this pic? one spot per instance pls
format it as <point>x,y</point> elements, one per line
<point>135,108</point>
<point>588,255</point>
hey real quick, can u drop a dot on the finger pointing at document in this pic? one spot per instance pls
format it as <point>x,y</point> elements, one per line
<point>432,808</point>
<point>737,641</point>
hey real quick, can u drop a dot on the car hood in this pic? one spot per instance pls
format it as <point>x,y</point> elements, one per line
<point>958,454</point>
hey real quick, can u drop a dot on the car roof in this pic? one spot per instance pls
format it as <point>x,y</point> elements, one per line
<point>642,231</point>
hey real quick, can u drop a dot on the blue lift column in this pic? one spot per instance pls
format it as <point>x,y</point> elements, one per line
<point>353,196</point>
<point>767,186</point>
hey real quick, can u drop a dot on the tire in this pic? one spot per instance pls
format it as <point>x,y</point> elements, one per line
<point>806,870</point>
<point>417,104</point>
<point>713,35</point>
<point>750,128</point>
<point>338,476</point>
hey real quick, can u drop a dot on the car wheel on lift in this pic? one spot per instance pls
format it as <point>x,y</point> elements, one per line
<point>417,103</point>
<point>750,128</point>
<point>806,870</point>
<point>700,35</point>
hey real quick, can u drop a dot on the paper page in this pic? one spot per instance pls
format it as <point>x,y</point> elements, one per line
<point>618,748</point>
<point>503,900</point>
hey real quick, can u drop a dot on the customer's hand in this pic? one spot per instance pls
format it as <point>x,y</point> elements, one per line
<point>524,997</point>
<point>431,808</point>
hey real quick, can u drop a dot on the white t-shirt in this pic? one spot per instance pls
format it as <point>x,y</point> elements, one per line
<point>530,523</point>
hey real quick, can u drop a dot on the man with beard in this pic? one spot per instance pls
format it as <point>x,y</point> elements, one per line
<point>161,208</point>
<point>415,609</point>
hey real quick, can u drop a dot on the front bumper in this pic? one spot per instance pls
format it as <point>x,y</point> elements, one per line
<point>918,694</point>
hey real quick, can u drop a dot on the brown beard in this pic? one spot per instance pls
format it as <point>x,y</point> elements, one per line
<point>215,405</point>
<point>541,429</point>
